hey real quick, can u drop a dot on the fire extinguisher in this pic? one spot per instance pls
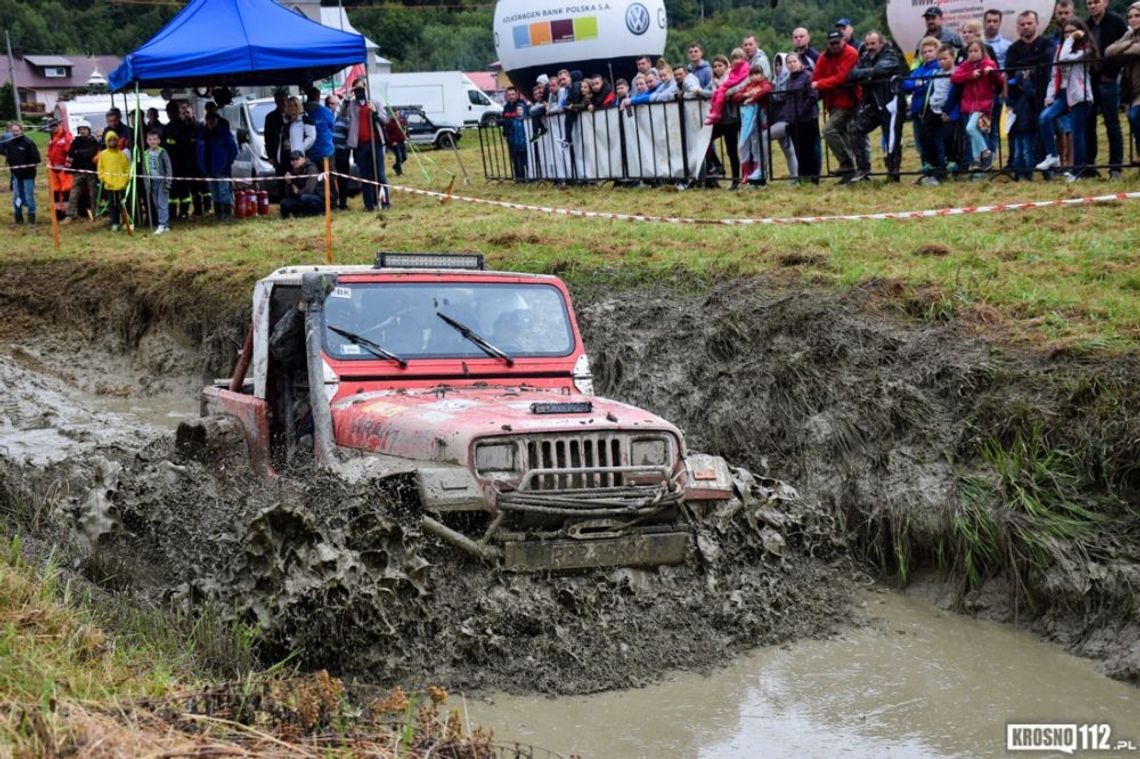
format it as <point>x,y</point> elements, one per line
<point>239,204</point>
<point>247,203</point>
<point>262,202</point>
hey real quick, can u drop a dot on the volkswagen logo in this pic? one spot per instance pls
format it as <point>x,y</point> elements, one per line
<point>637,18</point>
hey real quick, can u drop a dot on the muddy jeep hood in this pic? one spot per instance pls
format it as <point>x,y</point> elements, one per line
<point>440,426</point>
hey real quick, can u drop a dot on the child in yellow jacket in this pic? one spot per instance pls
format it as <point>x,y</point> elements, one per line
<point>114,169</point>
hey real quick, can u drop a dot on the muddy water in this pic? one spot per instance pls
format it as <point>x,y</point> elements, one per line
<point>915,682</point>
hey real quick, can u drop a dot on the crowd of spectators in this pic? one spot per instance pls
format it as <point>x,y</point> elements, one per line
<point>1044,92</point>
<point>185,165</point>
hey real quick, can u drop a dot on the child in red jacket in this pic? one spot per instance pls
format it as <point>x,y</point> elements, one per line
<point>979,78</point>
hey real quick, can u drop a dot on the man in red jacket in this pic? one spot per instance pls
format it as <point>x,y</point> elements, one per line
<point>839,98</point>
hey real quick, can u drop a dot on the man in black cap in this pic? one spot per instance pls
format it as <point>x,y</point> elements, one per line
<point>303,193</point>
<point>934,28</point>
<point>847,29</point>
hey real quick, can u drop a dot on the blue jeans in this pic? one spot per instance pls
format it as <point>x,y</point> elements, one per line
<point>1023,157</point>
<point>1134,123</point>
<point>1046,120</point>
<point>362,154</point>
<point>1106,99</point>
<point>23,195</point>
<point>1080,113</point>
<point>994,136</point>
<point>977,139</point>
<point>222,193</point>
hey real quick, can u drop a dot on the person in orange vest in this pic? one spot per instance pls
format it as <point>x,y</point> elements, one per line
<point>59,179</point>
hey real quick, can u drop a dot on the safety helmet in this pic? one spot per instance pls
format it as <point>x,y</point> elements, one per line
<point>83,123</point>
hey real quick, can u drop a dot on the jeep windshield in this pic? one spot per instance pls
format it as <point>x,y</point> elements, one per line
<point>416,320</point>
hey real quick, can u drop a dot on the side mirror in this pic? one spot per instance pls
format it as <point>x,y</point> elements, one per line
<point>242,136</point>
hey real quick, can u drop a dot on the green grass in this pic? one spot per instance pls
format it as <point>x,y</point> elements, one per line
<point>1039,505</point>
<point>1063,277</point>
<point>69,684</point>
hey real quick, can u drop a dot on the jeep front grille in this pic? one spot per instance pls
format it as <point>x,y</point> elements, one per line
<point>578,452</point>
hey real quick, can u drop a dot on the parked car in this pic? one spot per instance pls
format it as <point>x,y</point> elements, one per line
<point>422,131</point>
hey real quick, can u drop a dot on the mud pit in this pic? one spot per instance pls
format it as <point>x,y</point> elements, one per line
<point>326,568</point>
<point>875,418</point>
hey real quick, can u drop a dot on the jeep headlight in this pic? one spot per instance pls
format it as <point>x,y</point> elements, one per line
<point>495,457</point>
<point>649,452</point>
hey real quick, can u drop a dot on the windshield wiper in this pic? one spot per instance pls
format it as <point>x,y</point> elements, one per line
<point>468,333</point>
<point>368,345</point>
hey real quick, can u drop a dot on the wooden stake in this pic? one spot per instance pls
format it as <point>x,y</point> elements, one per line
<point>328,215</point>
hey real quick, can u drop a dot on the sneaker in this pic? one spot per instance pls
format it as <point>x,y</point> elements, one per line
<point>114,227</point>
<point>952,167</point>
<point>537,135</point>
<point>987,160</point>
<point>1071,177</point>
<point>1114,174</point>
<point>843,171</point>
<point>756,176</point>
<point>161,229</point>
<point>1051,162</point>
<point>931,181</point>
<point>67,220</point>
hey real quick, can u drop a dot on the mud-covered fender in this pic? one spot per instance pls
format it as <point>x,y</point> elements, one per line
<point>707,478</point>
<point>449,488</point>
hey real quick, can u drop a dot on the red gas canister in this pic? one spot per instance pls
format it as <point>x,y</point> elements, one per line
<point>239,204</point>
<point>262,202</point>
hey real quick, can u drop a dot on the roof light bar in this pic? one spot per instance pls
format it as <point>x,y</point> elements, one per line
<point>386,260</point>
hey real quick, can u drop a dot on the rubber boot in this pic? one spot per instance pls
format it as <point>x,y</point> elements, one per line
<point>197,201</point>
<point>19,216</point>
<point>31,218</point>
<point>206,202</point>
<point>228,212</point>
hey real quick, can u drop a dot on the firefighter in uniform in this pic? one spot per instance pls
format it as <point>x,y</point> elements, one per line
<point>180,138</point>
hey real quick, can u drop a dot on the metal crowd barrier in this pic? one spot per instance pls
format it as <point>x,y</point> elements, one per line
<point>668,142</point>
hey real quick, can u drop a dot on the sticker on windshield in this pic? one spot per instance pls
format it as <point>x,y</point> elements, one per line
<point>342,292</point>
<point>350,350</point>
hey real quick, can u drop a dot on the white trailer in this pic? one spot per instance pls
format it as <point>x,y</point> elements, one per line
<point>447,97</point>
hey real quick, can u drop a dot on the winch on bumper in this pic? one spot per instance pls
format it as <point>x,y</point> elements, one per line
<point>577,518</point>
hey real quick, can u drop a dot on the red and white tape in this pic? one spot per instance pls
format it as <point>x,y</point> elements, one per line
<point>1030,205</point>
<point>884,216</point>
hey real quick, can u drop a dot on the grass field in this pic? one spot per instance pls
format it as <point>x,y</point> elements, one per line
<point>1060,277</point>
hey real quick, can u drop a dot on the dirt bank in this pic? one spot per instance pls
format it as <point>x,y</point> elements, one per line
<point>1015,476</point>
<point>1006,482</point>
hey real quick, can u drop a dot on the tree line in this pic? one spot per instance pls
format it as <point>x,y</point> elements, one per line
<point>419,35</point>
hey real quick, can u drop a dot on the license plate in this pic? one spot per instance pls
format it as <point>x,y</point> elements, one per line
<point>630,551</point>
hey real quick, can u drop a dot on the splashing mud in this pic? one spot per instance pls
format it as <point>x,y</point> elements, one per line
<point>331,570</point>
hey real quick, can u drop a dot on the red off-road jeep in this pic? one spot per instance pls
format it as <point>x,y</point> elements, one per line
<point>471,390</point>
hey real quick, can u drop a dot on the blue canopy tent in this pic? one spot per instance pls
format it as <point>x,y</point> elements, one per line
<point>215,43</point>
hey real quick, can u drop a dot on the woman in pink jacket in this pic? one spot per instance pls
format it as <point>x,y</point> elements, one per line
<point>978,76</point>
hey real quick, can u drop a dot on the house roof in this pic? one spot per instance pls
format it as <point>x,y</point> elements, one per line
<point>484,80</point>
<point>48,60</point>
<point>29,70</point>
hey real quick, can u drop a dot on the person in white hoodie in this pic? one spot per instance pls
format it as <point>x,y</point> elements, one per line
<point>297,133</point>
<point>1070,86</point>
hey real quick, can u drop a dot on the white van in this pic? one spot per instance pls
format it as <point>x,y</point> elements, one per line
<point>447,97</point>
<point>93,109</point>
<point>247,121</point>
